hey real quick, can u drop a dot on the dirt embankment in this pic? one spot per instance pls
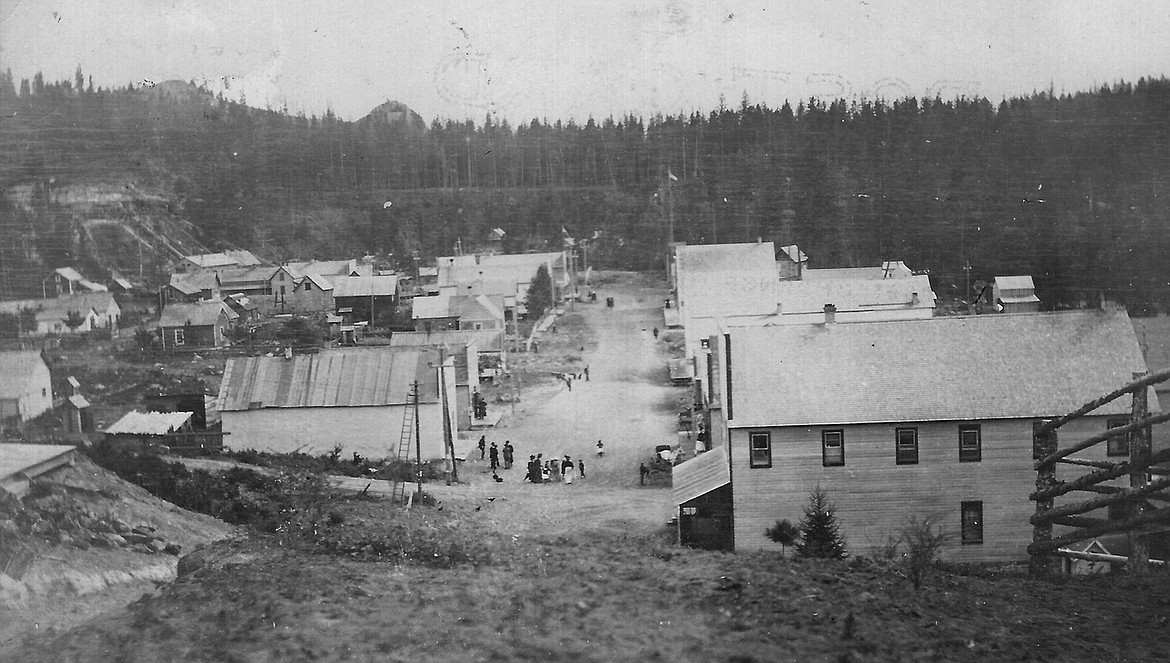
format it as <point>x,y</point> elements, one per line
<point>84,541</point>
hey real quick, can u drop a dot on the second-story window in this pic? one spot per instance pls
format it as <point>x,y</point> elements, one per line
<point>906,446</point>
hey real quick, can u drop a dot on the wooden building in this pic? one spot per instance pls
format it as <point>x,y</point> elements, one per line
<point>199,325</point>
<point>930,418</point>
<point>456,312</point>
<point>353,398</point>
<point>68,281</point>
<point>367,297</point>
<point>26,388</point>
<point>1014,294</point>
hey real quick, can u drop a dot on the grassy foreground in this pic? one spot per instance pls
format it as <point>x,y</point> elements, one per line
<point>488,580</point>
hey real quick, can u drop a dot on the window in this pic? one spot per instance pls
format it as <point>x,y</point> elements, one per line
<point>180,339</point>
<point>761,449</point>
<point>972,527</point>
<point>308,285</point>
<point>704,343</point>
<point>1118,445</point>
<point>970,444</point>
<point>906,446</point>
<point>280,276</point>
<point>832,448</point>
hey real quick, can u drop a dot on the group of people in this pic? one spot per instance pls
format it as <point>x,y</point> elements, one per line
<point>494,453</point>
<point>552,471</point>
<point>539,469</point>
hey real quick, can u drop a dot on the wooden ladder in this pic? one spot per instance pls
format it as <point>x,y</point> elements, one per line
<point>398,490</point>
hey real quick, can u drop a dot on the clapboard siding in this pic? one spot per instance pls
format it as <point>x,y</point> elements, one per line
<point>874,496</point>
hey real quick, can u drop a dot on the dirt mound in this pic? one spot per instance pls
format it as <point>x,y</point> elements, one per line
<point>82,537</point>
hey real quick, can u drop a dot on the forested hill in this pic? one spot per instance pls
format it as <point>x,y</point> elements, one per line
<point>1073,189</point>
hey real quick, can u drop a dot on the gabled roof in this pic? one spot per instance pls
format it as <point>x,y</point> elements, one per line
<point>199,314</point>
<point>224,259</point>
<point>479,307</point>
<point>854,294</point>
<point>963,368</point>
<point>793,253</point>
<point>229,276</point>
<point>333,378</point>
<point>149,423</point>
<point>496,274</point>
<point>193,284</point>
<point>320,281</point>
<point>1015,283</point>
<point>17,369</point>
<point>72,275</point>
<point>365,286</point>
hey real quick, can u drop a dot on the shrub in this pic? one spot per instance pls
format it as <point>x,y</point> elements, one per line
<point>819,533</point>
<point>784,533</point>
<point>923,538</point>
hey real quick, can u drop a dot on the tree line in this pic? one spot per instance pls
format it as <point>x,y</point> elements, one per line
<point>1070,188</point>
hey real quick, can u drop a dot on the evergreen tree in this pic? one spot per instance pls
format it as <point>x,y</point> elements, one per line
<point>819,533</point>
<point>784,533</point>
<point>540,297</point>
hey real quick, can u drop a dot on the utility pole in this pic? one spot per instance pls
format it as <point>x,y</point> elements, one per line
<point>418,473</point>
<point>967,286</point>
<point>448,442</point>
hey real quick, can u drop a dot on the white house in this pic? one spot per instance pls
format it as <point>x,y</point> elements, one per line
<point>930,418</point>
<point>499,275</point>
<point>358,399</point>
<point>1014,294</point>
<point>26,389</point>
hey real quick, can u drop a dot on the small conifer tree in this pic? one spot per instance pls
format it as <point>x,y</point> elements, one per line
<point>819,533</point>
<point>784,533</point>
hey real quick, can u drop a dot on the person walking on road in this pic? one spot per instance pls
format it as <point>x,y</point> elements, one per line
<point>509,454</point>
<point>586,372</point>
<point>494,457</point>
<point>482,445</point>
<point>581,467</point>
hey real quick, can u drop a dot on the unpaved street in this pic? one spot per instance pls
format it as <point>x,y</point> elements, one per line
<point>627,403</point>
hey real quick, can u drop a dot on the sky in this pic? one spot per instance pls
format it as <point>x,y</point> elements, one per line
<point>588,58</point>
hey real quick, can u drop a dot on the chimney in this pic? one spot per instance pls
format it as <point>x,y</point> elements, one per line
<point>830,314</point>
<point>914,299</point>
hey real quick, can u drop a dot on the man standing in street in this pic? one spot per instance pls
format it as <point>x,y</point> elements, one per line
<point>482,445</point>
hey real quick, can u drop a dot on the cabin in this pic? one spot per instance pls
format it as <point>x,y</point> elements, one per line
<point>366,296</point>
<point>931,418</point>
<point>199,325</point>
<point>358,399</point>
<point>456,312</point>
<point>1014,294</point>
<point>26,390</point>
<point>68,281</point>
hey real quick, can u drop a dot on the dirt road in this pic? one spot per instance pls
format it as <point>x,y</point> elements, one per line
<point>627,402</point>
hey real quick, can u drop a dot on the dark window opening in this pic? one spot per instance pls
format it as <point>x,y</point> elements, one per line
<point>972,522</point>
<point>832,448</point>
<point>1118,445</point>
<point>970,444</point>
<point>906,446</point>
<point>761,449</point>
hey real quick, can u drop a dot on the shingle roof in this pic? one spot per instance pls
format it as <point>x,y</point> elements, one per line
<point>149,423</point>
<point>199,314</point>
<point>16,369</point>
<point>238,275</point>
<point>435,306</point>
<point>192,284</point>
<point>948,368</point>
<point>333,378</point>
<point>241,257</point>
<point>365,286</point>
<point>853,294</point>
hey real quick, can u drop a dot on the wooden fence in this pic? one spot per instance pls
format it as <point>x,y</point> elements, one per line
<point>1140,517</point>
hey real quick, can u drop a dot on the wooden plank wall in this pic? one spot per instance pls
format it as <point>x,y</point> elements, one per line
<point>874,496</point>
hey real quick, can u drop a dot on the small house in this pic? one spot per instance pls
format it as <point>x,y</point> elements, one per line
<point>456,312</point>
<point>68,281</point>
<point>367,297</point>
<point>1014,294</point>
<point>26,389</point>
<point>199,325</point>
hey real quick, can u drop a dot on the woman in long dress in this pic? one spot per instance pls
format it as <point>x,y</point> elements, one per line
<point>568,470</point>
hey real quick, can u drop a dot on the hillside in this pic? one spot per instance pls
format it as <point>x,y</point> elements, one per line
<point>1070,189</point>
